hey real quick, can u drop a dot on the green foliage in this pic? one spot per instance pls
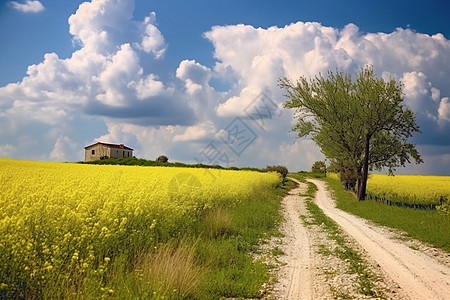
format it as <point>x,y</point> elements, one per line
<point>133,161</point>
<point>357,265</point>
<point>362,124</point>
<point>302,175</point>
<point>429,226</point>
<point>318,167</point>
<point>162,158</point>
<point>232,272</point>
<point>333,167</point>
<point>213,259</point>
<point>282,170</point>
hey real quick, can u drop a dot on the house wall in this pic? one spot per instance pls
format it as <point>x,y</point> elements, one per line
<point>100,151</point>
<point>120,153</point>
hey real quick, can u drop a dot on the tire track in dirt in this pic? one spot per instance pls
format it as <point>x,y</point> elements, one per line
<point>418,275</point>
<point>295,279</point>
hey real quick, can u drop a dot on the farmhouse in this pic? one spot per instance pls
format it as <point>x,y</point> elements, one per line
<point>101,150</point>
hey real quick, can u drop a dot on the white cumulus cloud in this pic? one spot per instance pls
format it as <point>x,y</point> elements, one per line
<point>260,56</point>
<point>101,25</point>
<point>196,132</point>
<point>65,149</point>
<point>194,75</point>
<point>152,39</point>
<point>444,111</point>
<point>28,7</point>
<point>115,79</point>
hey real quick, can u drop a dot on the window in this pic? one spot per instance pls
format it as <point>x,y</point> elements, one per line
<point>93,152</point>
<point>128,153</point>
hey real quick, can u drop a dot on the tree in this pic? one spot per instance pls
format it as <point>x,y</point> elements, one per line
<point>318,167</point>
<point>361,124</point>
<point>162,158</point>
<point>282,170</point>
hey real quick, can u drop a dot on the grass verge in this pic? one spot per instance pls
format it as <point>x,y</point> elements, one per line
<point>429,226</point>
<point>214,262</point>
<point>356,264</point>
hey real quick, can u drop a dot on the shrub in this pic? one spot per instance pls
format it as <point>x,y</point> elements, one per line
<point>162,158</point>
<point>318,167</point>
<point>282,170</point>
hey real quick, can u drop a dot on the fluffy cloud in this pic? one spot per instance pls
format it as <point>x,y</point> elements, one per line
<point>119,72</point>
<point>65,149</point>
<point>258,57</point>
<point>109,80</point>
<point>196,132</point>
<point>444,111</point>
<point>309,48</point>
<point>194,75</point>
<point>104,75</point>
<point>101,24</point>
<point>150,141</point>
<point>28,7</point>
<point>148,87</point>
<point>289,153</point>
<point>152,39</point>
<point>202,97</point>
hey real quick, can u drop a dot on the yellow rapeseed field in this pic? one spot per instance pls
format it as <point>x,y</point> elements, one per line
<point>60,222</point>
<point>416,189</point>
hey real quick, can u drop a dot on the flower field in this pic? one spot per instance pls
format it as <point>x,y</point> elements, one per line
<point>62,225</point>
<point>414,189</point>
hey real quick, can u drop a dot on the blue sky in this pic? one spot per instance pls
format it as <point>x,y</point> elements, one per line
<point>171,77</point>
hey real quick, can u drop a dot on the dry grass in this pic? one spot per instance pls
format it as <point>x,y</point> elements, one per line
<point>170,270</point>
<point>217,223</point>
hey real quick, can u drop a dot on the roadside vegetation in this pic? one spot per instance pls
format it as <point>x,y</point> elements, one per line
<point>72,231</point>
<point>344,251</point>
<point>430,226</point>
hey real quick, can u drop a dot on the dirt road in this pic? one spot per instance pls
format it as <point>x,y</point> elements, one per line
<point>295,276</point>
<point>417,274</point>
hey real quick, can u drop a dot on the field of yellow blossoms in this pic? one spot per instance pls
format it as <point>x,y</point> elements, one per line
<point>414,189</point>
<point>60,222</point>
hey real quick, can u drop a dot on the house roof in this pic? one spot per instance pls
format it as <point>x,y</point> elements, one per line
<point>117,146</point>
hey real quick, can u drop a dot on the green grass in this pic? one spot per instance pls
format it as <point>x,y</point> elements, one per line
<point>429,226</point>
<point>213,262</point>
<point>357,265</point>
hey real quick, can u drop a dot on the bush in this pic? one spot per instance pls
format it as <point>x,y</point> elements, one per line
<point>282,170</point>
<point>162,158</point>
<point>318,167</point>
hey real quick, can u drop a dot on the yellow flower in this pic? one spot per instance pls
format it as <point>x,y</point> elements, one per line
<point>78,209</point>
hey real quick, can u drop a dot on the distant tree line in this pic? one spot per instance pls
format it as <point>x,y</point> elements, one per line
<point>163,161</point>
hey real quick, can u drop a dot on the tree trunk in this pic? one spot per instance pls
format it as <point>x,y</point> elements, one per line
<point>365,171</point>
